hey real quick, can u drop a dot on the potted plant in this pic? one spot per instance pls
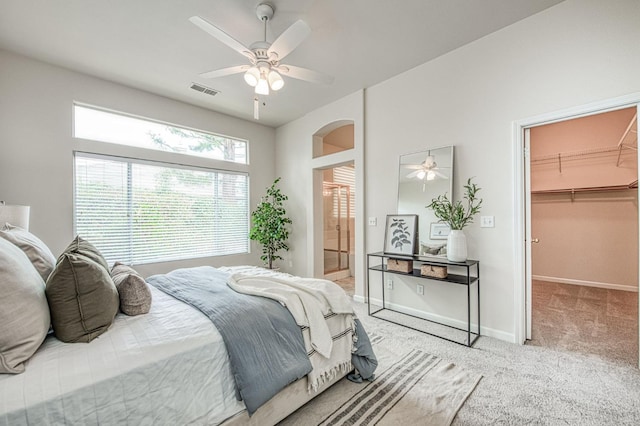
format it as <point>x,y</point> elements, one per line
<point>270,225</point>
<point>457,216</point>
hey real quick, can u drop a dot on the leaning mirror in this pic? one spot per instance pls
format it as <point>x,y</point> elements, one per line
<point>423,176</point>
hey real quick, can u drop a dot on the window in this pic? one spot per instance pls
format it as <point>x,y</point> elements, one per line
<point>103,126</point>
<point>140,212</point>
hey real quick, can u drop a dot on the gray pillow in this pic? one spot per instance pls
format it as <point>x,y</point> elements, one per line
<point>83,299</point>
<point>135,296</point>
<point>24,314</point>
<point>37,251</point>
<point>85,248</point>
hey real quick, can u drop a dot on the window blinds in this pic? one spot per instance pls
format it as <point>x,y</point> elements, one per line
<point>141,212</point>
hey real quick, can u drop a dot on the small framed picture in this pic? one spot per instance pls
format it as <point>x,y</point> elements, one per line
<point>400,234</point>
<point>439,231</point>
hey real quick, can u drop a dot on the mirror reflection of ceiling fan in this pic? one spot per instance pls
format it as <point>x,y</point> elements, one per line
<point>264,70</point>
<point>428,169</point>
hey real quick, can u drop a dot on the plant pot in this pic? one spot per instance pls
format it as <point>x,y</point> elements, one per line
<point>457,246</point>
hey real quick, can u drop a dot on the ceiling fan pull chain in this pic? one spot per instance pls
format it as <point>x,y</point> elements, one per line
<point>256,108</point>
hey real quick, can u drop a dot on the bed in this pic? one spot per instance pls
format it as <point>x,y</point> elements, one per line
<point>169,366</point>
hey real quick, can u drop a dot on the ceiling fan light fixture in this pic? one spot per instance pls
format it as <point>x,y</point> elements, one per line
<point>262,88</point>
<point>421,174</point>
<point>431,175</point>
<point>275,80</point>
<point>252,76</point>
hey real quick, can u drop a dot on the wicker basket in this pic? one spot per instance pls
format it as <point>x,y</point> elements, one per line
<point>400,265</point>
<point>433,271</point>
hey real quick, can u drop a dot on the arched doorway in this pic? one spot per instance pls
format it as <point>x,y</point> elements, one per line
<point>338,202</point>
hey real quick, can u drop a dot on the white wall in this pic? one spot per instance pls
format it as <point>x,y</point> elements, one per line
<point>36,146</point>
<point>295,164</point>
<point>577,52</point>
<point>571,54</point>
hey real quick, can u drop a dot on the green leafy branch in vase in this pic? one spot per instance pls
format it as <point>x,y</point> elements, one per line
<point>400,235</point>
<point>455,214</point>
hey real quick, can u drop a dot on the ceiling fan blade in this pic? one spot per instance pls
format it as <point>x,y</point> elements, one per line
<point>304,74</point>
<point>222,36</point>
<point>413,174</point>
<point>440,175</point>
<point>225,71</point>
<point>290,39</point>
<point>413,167</point>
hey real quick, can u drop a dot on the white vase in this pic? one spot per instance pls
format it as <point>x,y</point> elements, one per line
<point>457,246</point>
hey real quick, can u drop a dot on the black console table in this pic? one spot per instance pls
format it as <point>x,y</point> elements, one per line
<point>468,279</point>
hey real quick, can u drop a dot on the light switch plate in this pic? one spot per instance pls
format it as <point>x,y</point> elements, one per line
<point>373,221</point>
<point>487,221</point>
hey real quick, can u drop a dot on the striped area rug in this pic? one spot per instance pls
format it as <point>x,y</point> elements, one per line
<point>371,404</point>
<point>411,388</point>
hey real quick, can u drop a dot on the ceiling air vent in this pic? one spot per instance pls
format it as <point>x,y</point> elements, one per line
<point>204,89</point>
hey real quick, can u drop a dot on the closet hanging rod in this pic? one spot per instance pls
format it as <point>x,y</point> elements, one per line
<point>632,185</point>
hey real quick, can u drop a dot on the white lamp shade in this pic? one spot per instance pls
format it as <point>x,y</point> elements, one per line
<point>262,88</point>
<point>275,81</point>
<point>421,174</point>
<point>252,76</point>
<point>15,215</point>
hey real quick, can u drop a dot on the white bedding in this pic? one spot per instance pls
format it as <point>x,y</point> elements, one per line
<point>166,367</point>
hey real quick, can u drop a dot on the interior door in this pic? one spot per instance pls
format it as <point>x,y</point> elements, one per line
<point>528,240</point>
<point>336,227</point>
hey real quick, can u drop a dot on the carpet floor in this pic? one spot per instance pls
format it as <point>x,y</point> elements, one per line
<point>588,320</point>
<point>524,384</point>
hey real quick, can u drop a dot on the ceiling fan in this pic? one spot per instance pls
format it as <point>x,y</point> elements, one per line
<point>265,70</point>
<point>427,169</point>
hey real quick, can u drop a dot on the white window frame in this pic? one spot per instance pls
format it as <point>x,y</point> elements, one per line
<point>164,123</point>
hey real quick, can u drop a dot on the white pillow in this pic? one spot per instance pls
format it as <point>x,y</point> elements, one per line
<point>37,251</point>
<point>24,312</point>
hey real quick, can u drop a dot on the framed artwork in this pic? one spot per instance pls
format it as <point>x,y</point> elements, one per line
<point>400,234</point>
<point>439,231</point>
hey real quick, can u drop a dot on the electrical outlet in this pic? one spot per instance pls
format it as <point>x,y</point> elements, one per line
<point>420,288</point>
<point>373,221</point>
<point>389,284</point>
<point>487,221</point>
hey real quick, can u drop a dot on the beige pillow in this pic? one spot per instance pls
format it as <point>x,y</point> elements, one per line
<point>37,251</point>
<point>24,314</point>
<point>82,296</point>
<point>135,296</point>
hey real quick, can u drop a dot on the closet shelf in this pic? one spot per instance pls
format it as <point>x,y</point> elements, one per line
<point>574,191</point>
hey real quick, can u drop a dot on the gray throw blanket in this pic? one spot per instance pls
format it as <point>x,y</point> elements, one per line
<point>363,358</point>
<point>266,348</point>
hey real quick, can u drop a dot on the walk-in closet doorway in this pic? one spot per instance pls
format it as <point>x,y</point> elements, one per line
<point>578,252</point>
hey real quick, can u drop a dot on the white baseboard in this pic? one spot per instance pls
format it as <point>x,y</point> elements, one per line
<point>359,298</point>
<point>609,286</point>
<point>484,331</point>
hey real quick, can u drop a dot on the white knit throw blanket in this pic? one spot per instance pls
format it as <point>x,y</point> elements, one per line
<point>312,303</point>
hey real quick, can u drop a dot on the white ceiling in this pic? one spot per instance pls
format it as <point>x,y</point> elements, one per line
<point>151,45</point>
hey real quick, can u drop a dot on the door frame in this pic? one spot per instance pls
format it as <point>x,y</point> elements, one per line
<point>522,197</point>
